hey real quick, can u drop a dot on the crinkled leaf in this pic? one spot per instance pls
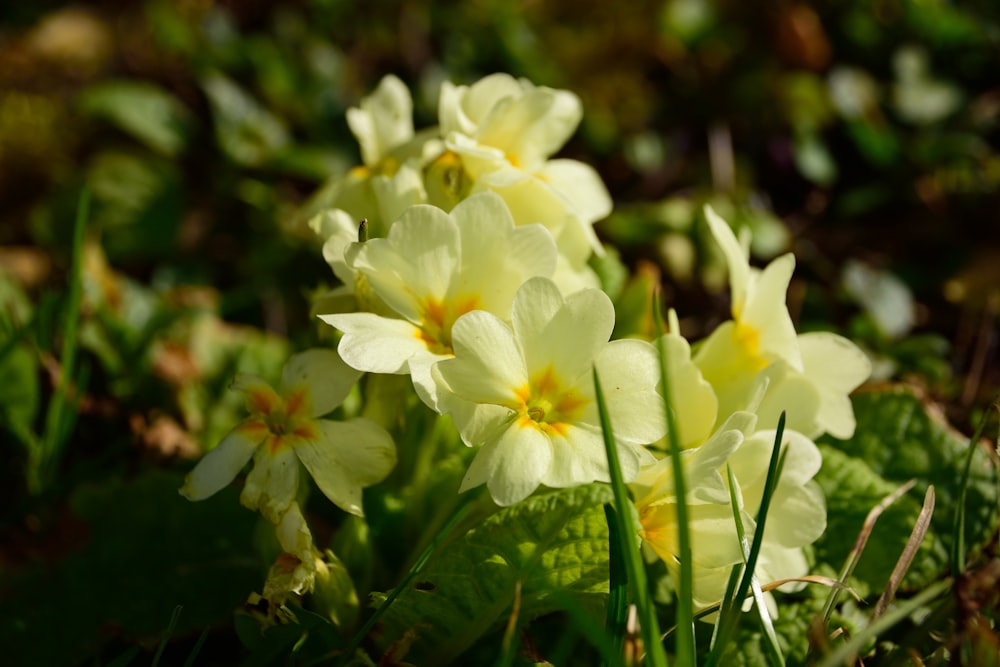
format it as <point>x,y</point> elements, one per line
<point>899,438</point>
<point>556,541</point>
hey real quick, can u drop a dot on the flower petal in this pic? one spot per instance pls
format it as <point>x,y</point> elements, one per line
<point>346,457</point>
<point>377,344</point>
<point>384,121</point>
<point>323,374</point>
<point>221,465</point>
<point>488,367</point>
<point>564,334</point>
<point>272,484</point>
<point>837,366</point>
<point>629,372</point>
<point>522,458</point>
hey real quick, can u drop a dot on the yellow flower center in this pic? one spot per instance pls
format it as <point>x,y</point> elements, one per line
<point>545,404</point>
<point>437,319</point>
<point>748,340</point>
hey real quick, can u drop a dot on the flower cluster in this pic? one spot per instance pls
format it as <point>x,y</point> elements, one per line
<point>475,284</point>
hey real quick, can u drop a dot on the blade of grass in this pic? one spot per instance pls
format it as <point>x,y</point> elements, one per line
<point>196,649</point>
<point>860,543</point>
<point>509,646</point>
<point>588,627</point>
<point>771,648</point>
<point>634,567</point>
<point>958,532</point>
<point>618,592</point>
<point>917,535</point>
<point>728,623</point>
<point>684,644</point>
<point>847,652</point>
<point>174,617</point>
<point>359,637</point>
<point>56,429</point>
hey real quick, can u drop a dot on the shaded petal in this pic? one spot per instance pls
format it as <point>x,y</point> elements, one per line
<point>346,457</point>
<point>323,374</point>
<point>377,344</point>
<point>800,518</point>
<point>221,465</point>
<point>629,371</point>
<point>578,457</point>
<point>293,534</point>
<point>272,484</point>
<point>398,192</point>
<point>260,397</point>
<point>692,398</point>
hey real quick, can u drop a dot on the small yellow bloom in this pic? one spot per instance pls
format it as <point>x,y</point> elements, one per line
<point>284,430</point>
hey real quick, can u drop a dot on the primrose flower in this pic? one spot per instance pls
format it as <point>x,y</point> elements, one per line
<point>528,393</point>
<point>503,132</point>
<point>394,156</point>
<point>284,430</point>
<point>432,268</point>
<point>796,516</point>
<point>809,375</point>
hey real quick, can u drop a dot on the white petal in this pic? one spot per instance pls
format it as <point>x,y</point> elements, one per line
<point>580,185</point>
<point>578,458</point>
<point>530,199</point>
<point>533,126</point>
<point>629,371</point>
<point>790,392</point>
<point>692,398</point>
<point>414,262</point>
<point>488,367</point>
<point>377,344</point>
<point>384,121</point>
<point>221,465</point>
<point>736,259</point>
<point>323,374</point>
<point>799,515</point>
<point>522,458</point>
<point>347,457</point>
<point>398,192</point>
<point>765,313</point>
<point>837,366</point>
<point>338,230</point>
<point>564,334</point>
<point>272,484</point>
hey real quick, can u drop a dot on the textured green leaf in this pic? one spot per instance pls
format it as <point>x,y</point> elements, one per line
<point>556,541</point>
<point>899,438</point>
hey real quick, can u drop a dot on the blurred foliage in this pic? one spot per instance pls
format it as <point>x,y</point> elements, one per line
<point>864,135</point>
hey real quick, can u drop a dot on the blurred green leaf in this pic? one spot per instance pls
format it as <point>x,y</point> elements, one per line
<point>247,132</point>
<point>143,110</point>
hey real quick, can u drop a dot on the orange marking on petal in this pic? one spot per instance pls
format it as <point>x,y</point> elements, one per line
<point>523,394</point>
<point>296,402</point>
<point>254,429</point>
<point>275,443</point>
<point>263,400</point>
<point>305,431</point>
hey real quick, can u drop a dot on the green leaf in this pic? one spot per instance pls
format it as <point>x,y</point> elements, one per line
<point>556,542</point>
<point>247,132</point>
<point>899,438</point>
<point>143,110</point>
